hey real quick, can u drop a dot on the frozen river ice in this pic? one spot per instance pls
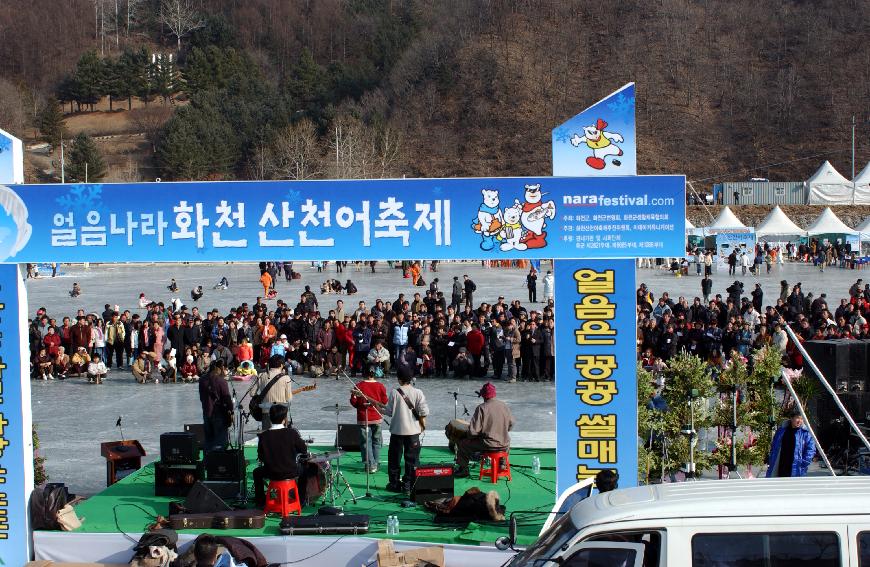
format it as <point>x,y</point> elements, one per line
<point>73,417</point>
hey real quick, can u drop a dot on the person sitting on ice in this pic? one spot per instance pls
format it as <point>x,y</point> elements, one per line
<point>196,293</point>
<point>223,284</point>
<point>246,368</point>
<point>144,302</point>
<point>76,290</point>
<point>189,372</point>
<point>167,367</point>
<point>97,370</point>
<point>350,287</point>
<point>173,287</point>
<point>80,361</point>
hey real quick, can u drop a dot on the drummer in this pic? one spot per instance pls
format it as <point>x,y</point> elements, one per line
<point>368,417</point>
<point>488,430</point>
<point>277,449</point>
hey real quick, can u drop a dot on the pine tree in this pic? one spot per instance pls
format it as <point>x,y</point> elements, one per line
<point>88,79</point>
<point>51,124</point>
<point>85,151</point>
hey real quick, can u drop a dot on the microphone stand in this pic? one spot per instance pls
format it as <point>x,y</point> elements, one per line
<point>369,442</point>
<point>240,437</point>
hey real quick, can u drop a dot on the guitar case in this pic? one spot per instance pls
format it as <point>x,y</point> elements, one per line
<point>229,520</point>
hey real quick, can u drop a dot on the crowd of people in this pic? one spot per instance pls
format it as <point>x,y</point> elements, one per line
<point>449,332</point>
<point>735,323</point>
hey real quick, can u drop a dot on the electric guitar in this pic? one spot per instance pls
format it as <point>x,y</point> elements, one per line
<point>357,392</point>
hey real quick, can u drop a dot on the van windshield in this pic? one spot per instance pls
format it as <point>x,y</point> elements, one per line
<point>559,534</point>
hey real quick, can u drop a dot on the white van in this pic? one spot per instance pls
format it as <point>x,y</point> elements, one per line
<point>789,522</point>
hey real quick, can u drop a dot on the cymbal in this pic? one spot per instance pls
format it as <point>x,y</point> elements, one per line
<point>336,407</point>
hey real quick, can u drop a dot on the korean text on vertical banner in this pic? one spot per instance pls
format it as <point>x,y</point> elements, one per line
<point>596,390</point>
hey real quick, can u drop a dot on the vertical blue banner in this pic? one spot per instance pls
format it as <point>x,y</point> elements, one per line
<point>16,443</point>
<point>600,140</point>
<point>596,385</point>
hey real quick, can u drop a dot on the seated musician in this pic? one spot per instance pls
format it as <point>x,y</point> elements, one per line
<point>277,449</point>
<point>487,431</point>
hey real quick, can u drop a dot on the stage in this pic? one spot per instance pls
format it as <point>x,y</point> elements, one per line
<point>129,506</point>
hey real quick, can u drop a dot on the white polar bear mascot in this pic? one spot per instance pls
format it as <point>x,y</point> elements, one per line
<point>512,230</point>
<point>489,220</point>
<point>601,143</point>
<point>534,217</point>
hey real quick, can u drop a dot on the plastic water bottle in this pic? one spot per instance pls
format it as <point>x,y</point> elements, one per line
<point>395,525</point>
<point>536,465</point>
<point>390,525</point>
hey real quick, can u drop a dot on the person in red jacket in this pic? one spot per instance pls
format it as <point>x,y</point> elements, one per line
<point>366,390</point>
<point>475,348</point>
<point>51,342</point>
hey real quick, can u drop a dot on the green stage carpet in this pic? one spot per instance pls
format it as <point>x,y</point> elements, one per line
<point>130,505</point>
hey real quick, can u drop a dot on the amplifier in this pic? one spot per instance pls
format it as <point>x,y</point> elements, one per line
<point>432,482</point>
<point>352,524</point>
<point>175,480</point>
<point>224,464</point>
<point>198,431</point>
<point>179,448</point>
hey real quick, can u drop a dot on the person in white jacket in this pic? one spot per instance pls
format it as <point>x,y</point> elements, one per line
<point>97,370</point>
<point>549,285</point>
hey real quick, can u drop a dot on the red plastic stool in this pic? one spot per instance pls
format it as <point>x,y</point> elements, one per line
<point>499,466</point>
<point>278,498</point>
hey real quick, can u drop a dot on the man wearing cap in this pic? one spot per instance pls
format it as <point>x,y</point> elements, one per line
<point>792,449</point>
<point>488,430</point>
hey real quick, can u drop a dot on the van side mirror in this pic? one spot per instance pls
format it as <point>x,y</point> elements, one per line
<point>507,542</point>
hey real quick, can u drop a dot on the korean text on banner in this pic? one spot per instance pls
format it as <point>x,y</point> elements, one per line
<point>487,218</point>
<point>16,444</point>
<point>596,392</point>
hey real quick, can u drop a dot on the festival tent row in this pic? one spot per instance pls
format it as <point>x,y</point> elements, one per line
<point>828,187</point>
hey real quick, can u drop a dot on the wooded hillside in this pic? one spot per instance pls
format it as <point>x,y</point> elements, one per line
<point>369,88</point>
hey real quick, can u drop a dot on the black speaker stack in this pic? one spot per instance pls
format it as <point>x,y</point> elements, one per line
<point>224,472</point>
<point>179,467</point>
<point>348,436</point>
<point>845,365</point>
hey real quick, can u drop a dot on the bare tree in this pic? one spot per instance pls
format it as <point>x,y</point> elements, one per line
<point>295,153</point>
<point>13,119</point>
<point>180,17</point>
<point>150,121</point>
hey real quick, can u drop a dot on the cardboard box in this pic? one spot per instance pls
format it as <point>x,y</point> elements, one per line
<point>432,556</point>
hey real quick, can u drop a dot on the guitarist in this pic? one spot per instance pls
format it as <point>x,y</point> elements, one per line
<point>408,409</point>
<point>368,417</point>
<point>280,392</point>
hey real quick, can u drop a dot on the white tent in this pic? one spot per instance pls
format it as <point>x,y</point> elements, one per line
<point>828,187</point>
<point>727,219</point>
<point>862,187</point>
<point>777,224</point>
<point>829,223</point>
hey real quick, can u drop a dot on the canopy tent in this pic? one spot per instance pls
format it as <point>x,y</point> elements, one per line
<point>828,187</point>
<point>829,223</point>
<point>862,187</point>
<point>726,219</point>
<point>777,225</point>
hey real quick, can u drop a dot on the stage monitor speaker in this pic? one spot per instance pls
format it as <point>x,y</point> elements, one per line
<point>858,363</point>
<point>198,430</point>
<point>201,500</point>
<point>432,482</point>
<point>348,436</point>
<point>224,464</point>
<point>832,358</point>
<point>226,489</point>
<point>178,448</point>
<point>349,524</point>
<point>175,480</point>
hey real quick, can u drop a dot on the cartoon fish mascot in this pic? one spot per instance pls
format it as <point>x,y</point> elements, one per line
<point>534,217</point>
<point>512,230</point>
<point>601,143</point>
<point>489,220</point>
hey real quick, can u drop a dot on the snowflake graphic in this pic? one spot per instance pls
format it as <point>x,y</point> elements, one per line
<point>622,104</point>
<point>293,197</point>
<point>81,199</point>
<point>5,144</point>
<point>562,134</point>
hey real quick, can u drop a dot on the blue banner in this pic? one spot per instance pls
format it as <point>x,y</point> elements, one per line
<point>485,218</point>
<point>11,159</point>
<point>16,444</point>
<point>596,388</point>
<point>600,140</point>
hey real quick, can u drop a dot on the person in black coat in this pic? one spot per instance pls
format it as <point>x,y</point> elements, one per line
<point>277,449</point>
<point>532,284</point>
<point>217,407</point>
<point>757,297</point>
<point>175,335</point>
